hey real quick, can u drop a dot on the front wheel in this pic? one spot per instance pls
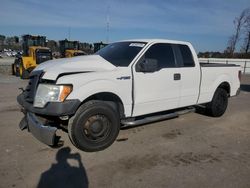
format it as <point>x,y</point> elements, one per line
<point>94,127</point>
<point>24,73</point>
<point>218,105</point>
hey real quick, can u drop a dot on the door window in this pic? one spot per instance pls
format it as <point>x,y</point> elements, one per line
<point>163,53</point>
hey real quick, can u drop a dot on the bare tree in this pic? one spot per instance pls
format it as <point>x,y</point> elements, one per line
<point>246,44</point>
<point>230,45</point>
<point>239,23</point>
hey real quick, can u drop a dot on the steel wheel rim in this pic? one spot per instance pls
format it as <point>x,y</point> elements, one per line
<point>21,69</point>
<point>97,128</point>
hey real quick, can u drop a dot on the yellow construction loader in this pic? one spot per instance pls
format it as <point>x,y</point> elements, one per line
<point>34,53</point>
<point>98,46</point>
<point>70,48</point>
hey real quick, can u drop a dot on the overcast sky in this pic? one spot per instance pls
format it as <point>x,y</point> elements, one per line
<point>205,23</point>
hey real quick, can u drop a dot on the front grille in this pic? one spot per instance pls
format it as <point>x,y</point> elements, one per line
<point>30,91</point>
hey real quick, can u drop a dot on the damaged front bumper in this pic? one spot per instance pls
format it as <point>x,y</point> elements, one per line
<point>44,133</point>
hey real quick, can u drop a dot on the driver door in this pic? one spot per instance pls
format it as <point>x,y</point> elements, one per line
<point>158,90</point>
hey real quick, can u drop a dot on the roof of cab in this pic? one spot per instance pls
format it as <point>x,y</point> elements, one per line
<point>157,41</point>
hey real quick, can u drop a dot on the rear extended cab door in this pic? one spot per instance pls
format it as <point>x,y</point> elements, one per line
<point>190,74</point>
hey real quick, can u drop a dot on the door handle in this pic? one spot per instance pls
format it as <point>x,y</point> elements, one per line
<point>177,76</point>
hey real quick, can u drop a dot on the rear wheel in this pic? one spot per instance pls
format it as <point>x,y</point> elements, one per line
<point>94,127</point>
<point>218,105</point>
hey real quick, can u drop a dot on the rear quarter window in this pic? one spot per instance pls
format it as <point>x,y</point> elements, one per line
<point>187,57</point>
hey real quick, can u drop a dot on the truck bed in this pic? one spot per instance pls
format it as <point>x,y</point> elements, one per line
<point>212,75</point>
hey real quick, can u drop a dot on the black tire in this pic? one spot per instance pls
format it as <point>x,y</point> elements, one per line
<point>24,73</point>
<point>15,67</point>
<point>218,105</point>
<point>94,127</point>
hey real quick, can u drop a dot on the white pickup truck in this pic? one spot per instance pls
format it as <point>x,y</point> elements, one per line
<point>124,84</point>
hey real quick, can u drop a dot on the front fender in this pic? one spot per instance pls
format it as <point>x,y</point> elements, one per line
<point>84,90</point>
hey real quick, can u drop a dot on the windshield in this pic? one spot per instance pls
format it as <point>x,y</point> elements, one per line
<point>121,54</point>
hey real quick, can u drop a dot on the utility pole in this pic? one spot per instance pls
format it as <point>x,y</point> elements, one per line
<point>69,33</point>
<point>108,25</point>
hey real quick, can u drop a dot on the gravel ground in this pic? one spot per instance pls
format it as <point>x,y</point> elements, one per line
<point>5,65</point>
<point>7,60</point>
<point>190,151</point>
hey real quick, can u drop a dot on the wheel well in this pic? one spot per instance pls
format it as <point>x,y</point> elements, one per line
<point>225,86</point>
<point>111,97</point>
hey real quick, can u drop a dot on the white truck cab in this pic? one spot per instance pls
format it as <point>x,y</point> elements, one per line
<point>124,84</point>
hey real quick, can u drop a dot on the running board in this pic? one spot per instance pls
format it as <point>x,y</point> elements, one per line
<point>131,122</point>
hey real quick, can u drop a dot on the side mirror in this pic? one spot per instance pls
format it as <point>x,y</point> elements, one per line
<point>148,65</point>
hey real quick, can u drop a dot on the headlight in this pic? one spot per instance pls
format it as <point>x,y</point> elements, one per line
<point>51,93</point>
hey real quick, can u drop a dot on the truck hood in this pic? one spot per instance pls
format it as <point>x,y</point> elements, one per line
<point>89,63</point>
